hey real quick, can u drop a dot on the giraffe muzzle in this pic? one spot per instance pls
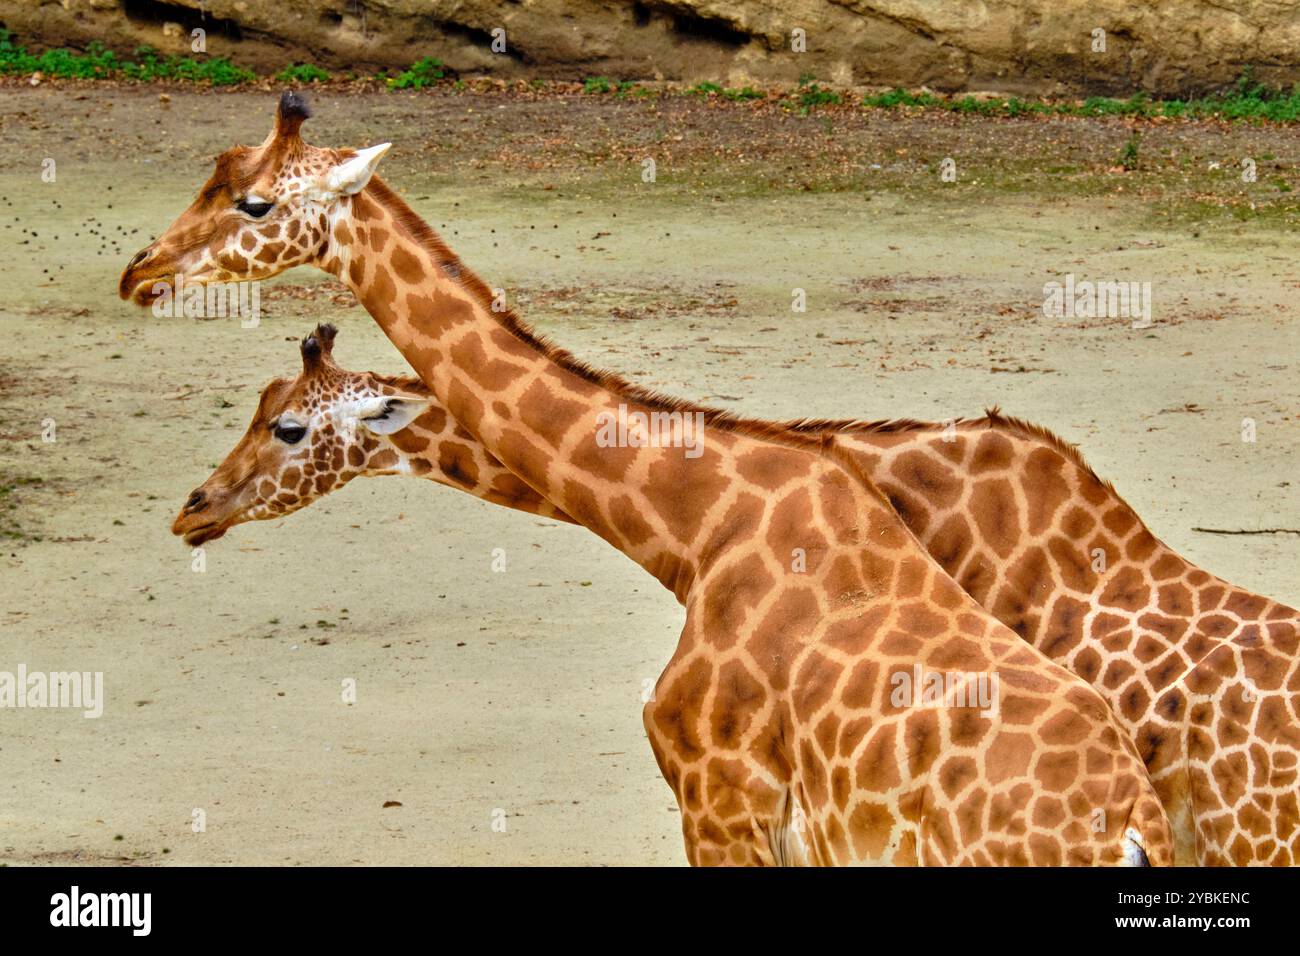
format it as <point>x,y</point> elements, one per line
<point>136,281</point>
<point>193,525</point>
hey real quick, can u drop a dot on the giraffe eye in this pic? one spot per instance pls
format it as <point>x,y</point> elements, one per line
<point>254,207</point>
<point>290,434</point>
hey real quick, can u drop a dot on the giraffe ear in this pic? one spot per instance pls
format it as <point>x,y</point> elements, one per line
<point>350,176</point>
<point>386,414</point>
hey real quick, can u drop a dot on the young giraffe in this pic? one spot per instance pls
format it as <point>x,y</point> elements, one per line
<point>774,722</point>
<point>1009,510</point>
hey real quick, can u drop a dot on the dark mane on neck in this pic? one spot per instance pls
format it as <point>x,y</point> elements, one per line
<point>804,432</point>
<point>421,232</point>
<point>814,431</point>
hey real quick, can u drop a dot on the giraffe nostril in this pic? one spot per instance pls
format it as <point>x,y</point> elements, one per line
<point>139,257</point>
<point>196,501</point>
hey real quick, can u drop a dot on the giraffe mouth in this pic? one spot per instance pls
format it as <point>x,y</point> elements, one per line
<point>204,533</point>
<point>143,291</point>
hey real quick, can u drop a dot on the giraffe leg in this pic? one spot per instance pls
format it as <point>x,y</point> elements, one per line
<point>1163,745</point>
<point>1146,840</point>
<point>715,748</point>
<point>728,817</point>
<point>791,838</point>
<point>1243,753</point>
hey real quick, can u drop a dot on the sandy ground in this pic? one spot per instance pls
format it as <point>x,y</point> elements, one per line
<point>484,696</point>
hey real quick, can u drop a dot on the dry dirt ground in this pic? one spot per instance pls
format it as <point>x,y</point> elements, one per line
<point>515,696</point>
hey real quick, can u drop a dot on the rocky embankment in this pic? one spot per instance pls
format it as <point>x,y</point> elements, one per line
<point>1040,47</point>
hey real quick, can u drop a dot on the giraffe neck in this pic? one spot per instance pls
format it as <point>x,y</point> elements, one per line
<point>1020,521</point>
<point>434,448</point>
<point>573,436</point>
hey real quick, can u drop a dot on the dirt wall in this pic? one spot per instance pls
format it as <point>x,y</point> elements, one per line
<point>1044,47</point>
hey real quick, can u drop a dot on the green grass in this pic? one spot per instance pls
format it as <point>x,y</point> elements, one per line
<point>297,73</point>
<point>1247,99</point>
<point>810,95</point>
<point>99,63</point>
<point>600,85</point>
<point>714,89</point>
<point>899,97</point>
<point>215,70</point>
<point>424,72</point>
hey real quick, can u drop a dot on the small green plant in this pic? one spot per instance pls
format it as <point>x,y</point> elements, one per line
<point>218,71</point>
<point>296,73</point>
<point>597,84</point>
<point>811,95</point>
<point>979,107</point>
<point>897,97</point>
<point>1019,107</point>
<point>424,72</point>
<point>705,89</point>
<point>1128,156</point>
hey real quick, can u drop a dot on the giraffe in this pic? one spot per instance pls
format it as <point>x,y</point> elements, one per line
<point>777,722</point>
<point>1013,513</point>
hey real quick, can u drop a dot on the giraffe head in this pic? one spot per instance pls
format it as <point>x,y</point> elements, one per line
<point>264,209</point>
<point>310,435</point>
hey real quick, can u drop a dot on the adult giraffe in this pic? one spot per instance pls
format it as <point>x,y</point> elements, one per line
<point>1009,510</point>
<point>776,722</point>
